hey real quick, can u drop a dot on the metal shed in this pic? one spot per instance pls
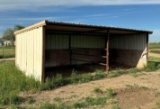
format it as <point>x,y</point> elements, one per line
<point>51,44</point>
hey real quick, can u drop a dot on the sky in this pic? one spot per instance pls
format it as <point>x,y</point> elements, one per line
<point>135,14</point>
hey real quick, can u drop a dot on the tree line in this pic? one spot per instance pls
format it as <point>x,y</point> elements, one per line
<point>8,34</point>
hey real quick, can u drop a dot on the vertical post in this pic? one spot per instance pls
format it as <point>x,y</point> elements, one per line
<point>70,57</point>
<point>107,52</point>
<point>43,54</point>
<point>147,40</point>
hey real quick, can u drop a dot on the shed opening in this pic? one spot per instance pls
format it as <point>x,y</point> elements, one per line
<point>55,46</point>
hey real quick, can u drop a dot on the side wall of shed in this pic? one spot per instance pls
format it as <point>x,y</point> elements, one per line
<point>129,50</point>
<point>29,52</point>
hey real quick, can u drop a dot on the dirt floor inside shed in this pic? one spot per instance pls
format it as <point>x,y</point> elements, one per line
<point>141,92</point>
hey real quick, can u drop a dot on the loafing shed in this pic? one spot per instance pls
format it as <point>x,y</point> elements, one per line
<point>52,44</point>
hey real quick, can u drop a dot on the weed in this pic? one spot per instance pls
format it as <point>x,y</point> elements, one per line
<point>47,105</point>
<point>80,105</point>
<point>151,66</point>
<point>110,93</point>
<point>158,104</point>
<point>96,101</point>
<point>116,73</point>
<point>99,75</point>
<point>57,99</point>
<point>97,90</point>
<point>11,85</point>
<point>89,101</point>
<point>30,100</point>
<point>137,87</point>
<point>116,107</point>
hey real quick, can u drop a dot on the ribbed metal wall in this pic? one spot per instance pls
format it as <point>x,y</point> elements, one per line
<point>131,42</point>
<point>29,52</point>
<point>54,41</point>
<point>87,41</point>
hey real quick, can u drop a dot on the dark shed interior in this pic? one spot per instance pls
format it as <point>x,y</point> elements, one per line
<point>72,44</point>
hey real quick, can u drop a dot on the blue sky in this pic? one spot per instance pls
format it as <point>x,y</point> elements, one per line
<point>136,14</point>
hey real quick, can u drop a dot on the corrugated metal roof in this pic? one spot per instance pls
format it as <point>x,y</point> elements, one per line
<point>81,27</point>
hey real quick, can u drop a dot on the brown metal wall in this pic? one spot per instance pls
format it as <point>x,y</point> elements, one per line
<point>129,50</point>
<point>131,42</point>
<point>79,41</point>
<point>83,49</point>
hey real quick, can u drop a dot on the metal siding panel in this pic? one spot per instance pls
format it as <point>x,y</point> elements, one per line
<point>35,51</point>
<point>28,53</point>
<point>17,50</point>
<point>132,42</point>
<point>78,41</point>
<point>39,68</point>
<point>20,53</point>
<point>25,55</point>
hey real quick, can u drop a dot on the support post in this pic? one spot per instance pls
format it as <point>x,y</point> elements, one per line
<point>107,52</point>
<point>43,55</point>
<point>147,40</point>
<point>70,56</point>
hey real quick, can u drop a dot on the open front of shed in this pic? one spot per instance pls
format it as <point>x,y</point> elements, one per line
<point>53,44</point>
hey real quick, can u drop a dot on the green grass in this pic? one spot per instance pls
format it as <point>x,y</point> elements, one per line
<point>135,86</point>
<point>7,52</point>
<point>97,90</point>
<point>155,51</point>
<point>154,59</point>
<point>154,45</point>
<point>12,82</point>
<point>152,66</point>
<point>58,80</point>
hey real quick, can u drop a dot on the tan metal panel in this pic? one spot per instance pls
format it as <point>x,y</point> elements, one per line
<point>17,49</point>
<point>27,57</point>
<point>20,51</point>
<point>35,51</point>
<point>38,74</point>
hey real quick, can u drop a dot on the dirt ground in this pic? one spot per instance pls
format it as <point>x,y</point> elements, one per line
<point>132,92</point>
<point>154,54</point>
<point>140,92</point>
<point>7,59</point>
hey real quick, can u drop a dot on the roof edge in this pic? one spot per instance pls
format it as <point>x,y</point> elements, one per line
<point>39,24</point>
<point>98,26</point>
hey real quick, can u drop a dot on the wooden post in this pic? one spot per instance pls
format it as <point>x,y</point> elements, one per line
<point>107,52</point>
<point>43,54</point>
<point>147,40</point>
<point>70,56</point>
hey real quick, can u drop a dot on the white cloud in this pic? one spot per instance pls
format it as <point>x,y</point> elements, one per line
<point>24,4</point>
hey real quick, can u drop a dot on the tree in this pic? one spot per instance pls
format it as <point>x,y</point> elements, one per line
<point>8,34</point>
<point>18,27</point>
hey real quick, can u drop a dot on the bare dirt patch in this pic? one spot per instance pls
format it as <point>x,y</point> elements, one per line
<point>134,98</point>
<point>154,55</point>
<point>127,98</point>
